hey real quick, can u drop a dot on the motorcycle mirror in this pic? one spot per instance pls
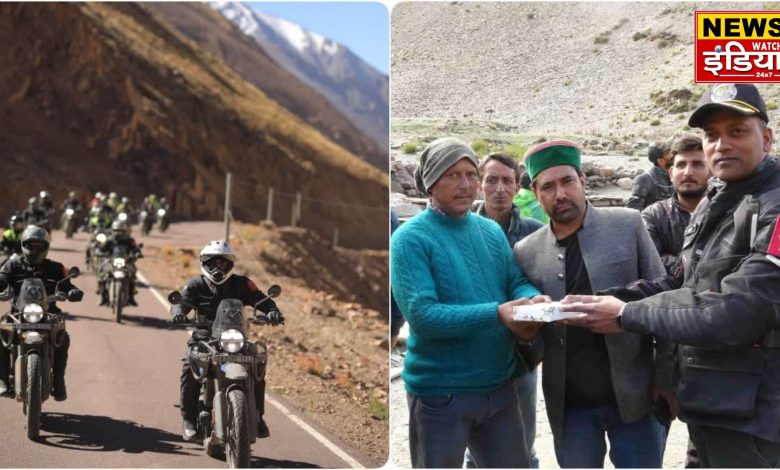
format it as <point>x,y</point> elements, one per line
<point>174,297</point>
<point>274,291</point>
<point>74,272</point>
<point>140,245</point>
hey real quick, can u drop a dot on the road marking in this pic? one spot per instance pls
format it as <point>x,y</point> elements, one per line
<point>289,414</point>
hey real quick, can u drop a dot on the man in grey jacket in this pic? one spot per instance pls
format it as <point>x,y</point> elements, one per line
<point>592,384</point>
<point>725,315</point>
<point>654,184</point>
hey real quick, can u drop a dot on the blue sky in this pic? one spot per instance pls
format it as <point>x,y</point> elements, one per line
<point>361,26</point>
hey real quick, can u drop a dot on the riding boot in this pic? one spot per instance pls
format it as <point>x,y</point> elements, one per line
<point>262,428</point>
<point>60,362</point>
<point>5,365</point>
<point>131,294</point>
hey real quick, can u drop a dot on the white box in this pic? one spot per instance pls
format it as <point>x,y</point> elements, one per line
<point>547,312</point>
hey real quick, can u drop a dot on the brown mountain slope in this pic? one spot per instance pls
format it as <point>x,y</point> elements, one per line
<point>103,96</point>
<point>216,35</point>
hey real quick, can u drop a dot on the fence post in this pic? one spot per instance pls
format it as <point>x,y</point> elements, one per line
<point>335,237</point>
<point>298,207</point>
<point>227,207</point>
<point>269,213</point>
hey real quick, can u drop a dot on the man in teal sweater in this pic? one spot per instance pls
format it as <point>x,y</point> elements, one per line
<point>456,283</point>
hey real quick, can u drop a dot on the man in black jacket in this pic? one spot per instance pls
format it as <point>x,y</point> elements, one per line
<point>654,184</point>
<point>205,292</point>
<point>726,314</point>
<point>33,263</point>
<point>666,220</point>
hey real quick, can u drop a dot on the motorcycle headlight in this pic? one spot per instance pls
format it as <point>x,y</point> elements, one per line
<point>69,211</point>
<point>119,263</point>
<point>160,212</point>
<point>101,238</point>
<point>231,340</point>
<point>33,313</point>
<point>122,216</point>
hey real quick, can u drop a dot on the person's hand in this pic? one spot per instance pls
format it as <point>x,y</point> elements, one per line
<point>601,312</point>
<point>671,400</point>
<point>541,299</point>
<point>275,317</point>
<point>179,318</point>
<point>525,330</point>
<point>75,295</point>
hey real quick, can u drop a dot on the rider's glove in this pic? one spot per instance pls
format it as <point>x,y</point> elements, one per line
<point>3,283</point>
<point>75,295</point>
<point>179,318</point>
<point>275,317</point>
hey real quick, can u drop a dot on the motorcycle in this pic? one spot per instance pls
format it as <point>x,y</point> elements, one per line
<point>119,269</point>
<point>163,218</point>
<point>32,334</point>
<point>226,365</point>
<point>95,254</point>
<point>146,220</point>
<point>68,221</point>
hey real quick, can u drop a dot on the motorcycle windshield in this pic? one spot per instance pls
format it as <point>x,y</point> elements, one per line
<point>32,291</point>
<point>120,251</point>
<point>229,315</point>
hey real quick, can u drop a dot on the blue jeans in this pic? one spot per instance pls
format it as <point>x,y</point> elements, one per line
<point>526,395</point>
<point>632,445</point>
<point>490,425</point>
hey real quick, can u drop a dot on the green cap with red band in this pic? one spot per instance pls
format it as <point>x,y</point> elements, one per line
<point>551,153</point>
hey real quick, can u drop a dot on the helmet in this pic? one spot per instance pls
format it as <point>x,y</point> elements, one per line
<point>31,202</point>
<point>98,194</point>
<point>35,244</point>
<point>16,223</point>
<point>113,195</point>
<point>163,200</point>
<point>119,228</point>
<point>209,265</point>
<point>72,194</point>
<point>125,200</point>
<point>44,195</point>
<point>102,197</point>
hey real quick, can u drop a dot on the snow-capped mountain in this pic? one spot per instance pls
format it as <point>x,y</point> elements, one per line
<point>353,86</point>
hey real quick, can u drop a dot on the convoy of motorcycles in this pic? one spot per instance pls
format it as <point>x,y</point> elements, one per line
<point>223,361</point>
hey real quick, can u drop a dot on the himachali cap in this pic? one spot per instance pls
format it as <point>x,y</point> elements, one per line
<point>741,97</point>
<point>551,153</point>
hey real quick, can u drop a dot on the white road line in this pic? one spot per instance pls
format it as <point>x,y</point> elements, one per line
<point>292,417</point>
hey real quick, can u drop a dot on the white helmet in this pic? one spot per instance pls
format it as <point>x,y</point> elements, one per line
<point>213,250</point>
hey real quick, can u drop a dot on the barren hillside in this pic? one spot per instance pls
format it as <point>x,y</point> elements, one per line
<point>586,68</point>
<point>104,96</point>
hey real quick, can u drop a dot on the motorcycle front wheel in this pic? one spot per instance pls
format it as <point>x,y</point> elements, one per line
<point>120,298</point>
<point>33,398</point>
<point>237,446</point>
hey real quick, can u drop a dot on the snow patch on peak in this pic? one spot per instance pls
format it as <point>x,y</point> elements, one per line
<point>293,33</point>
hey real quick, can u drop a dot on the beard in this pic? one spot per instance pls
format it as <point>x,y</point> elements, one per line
<point>695,193</point>
<point>565,213</point>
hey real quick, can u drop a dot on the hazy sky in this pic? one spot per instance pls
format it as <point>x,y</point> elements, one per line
<point>361,26</point>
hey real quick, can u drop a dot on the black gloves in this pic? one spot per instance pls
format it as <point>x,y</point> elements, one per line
<point>275,317</point>
<point>179,318</point>
<point>75,295</point>
<point>3,283</point>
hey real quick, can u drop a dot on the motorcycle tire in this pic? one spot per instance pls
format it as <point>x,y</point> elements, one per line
<point>33,398</point>
<point>237,444</point>
<point>120,298</point>
<point>215,451</point>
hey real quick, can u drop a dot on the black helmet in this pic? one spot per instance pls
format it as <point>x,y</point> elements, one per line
<point>16,223</point>
<point>35,244</point>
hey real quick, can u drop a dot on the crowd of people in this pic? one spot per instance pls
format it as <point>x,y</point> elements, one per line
<point>675,301</point>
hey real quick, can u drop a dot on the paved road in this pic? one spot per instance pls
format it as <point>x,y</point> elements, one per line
<point>123,382</point>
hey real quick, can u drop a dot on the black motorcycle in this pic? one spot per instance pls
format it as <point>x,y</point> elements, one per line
<point>226,365</point>
<point>95,254</point>
<point>164,218</point>
<point>146,220</point>
<point>118,270</point>
<point>68,221</point>
<point>32,334</point>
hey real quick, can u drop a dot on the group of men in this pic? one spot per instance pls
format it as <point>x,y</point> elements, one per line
<point>679,305</point>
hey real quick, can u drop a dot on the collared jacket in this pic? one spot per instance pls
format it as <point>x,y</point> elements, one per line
<point>666,221</point>
<point>616,250</point>
<point>726,315</point>
<point>17,269</point>
<point>206,296</point>
<point>519,226</point>
<point>651,186</point>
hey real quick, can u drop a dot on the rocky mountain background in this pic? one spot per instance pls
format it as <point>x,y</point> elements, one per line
<point>113,97</point>
<point>614,76</point>
<point>353,86</point>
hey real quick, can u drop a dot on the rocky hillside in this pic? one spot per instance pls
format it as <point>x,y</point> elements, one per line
<point>107,96</point>
<point>618,69</point>
<point>217,36</point>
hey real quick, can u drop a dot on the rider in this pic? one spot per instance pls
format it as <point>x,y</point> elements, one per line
<point>45,203</point>
<point>113,200</point>
<point>12,237</point>
<point>71,202</point>
<point>33,263</point>
<point>206,291</point>
<point>120,236</point>
<point>33,213</point>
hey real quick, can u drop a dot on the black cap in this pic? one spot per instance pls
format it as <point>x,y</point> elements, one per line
<point>655,151</point>
<point>741,97</point>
